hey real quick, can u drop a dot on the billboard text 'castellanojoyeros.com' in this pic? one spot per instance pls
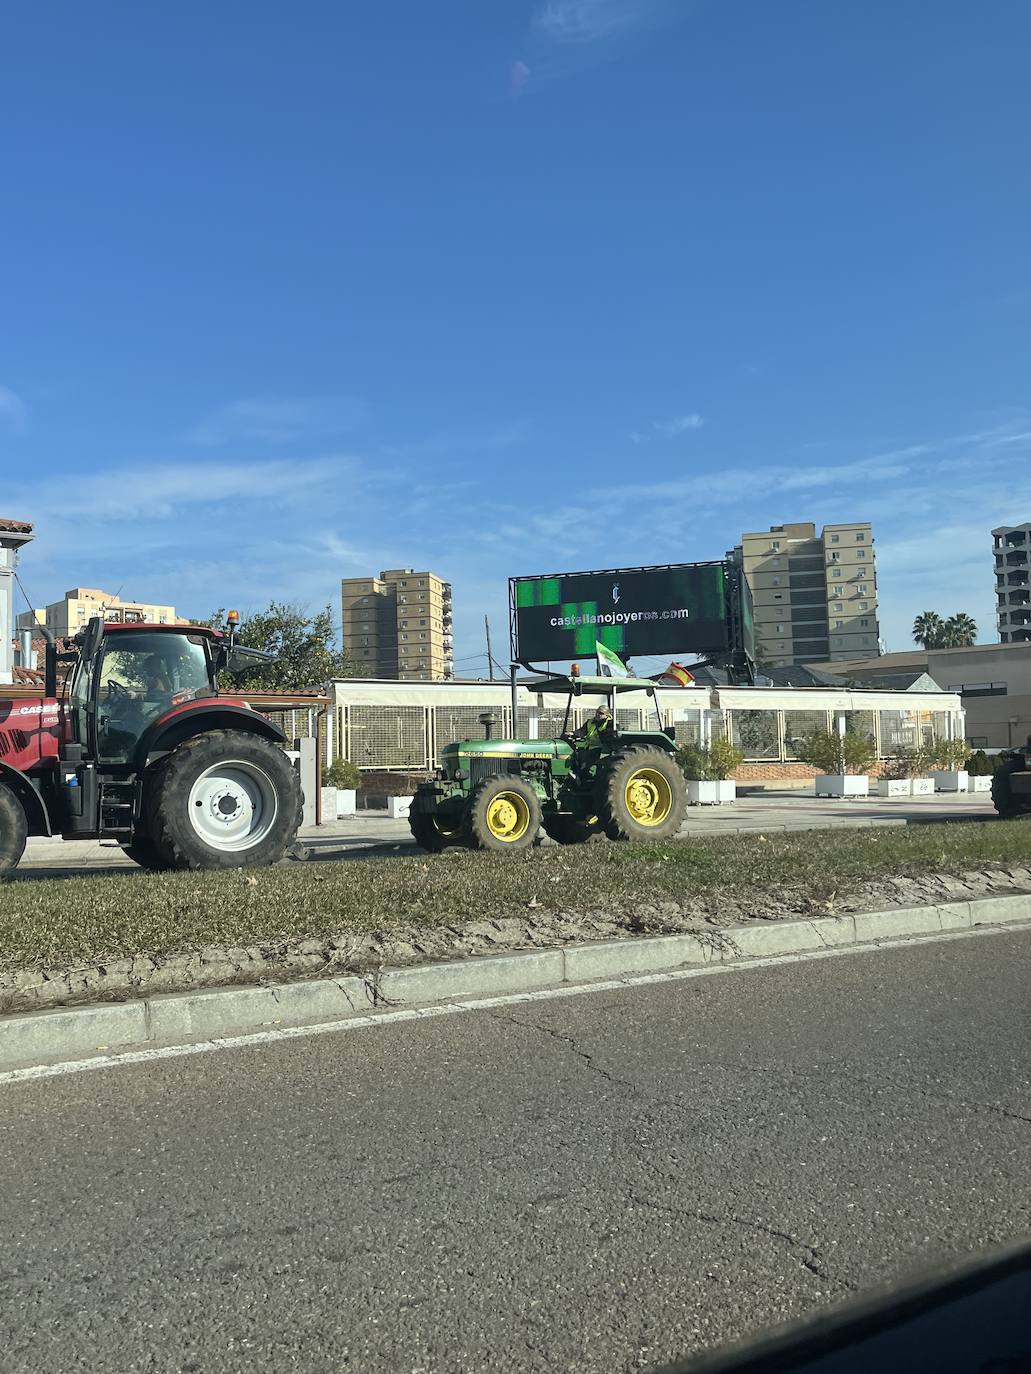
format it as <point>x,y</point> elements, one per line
<point>669,610</point>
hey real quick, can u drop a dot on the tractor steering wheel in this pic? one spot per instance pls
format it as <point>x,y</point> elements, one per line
<point>116,691</point>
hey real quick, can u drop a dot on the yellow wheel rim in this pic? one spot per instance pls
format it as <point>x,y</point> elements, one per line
<point>648,797</point>
<point>508,816</point>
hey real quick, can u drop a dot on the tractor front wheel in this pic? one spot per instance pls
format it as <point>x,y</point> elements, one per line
<point>642,795</point>
<point>224,799</point>
<point>14,830</point>
<point>503,814</point>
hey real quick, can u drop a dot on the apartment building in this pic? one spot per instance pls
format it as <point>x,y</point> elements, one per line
<point>398,625</point>
<point>1012,549</point>
<point>815,595</point>
<point>68,616</point>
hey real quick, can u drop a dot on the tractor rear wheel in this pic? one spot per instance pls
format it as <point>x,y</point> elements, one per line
<point>14,830</point>
<point>503,814</point>
<point>642,795</point>
<point>143,851</point>
<point>434,831</point>
<point>568,829</point>
<point>1007,803</point>
<point>224,799</point>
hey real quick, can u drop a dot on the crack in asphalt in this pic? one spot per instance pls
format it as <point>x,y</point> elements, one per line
<point>809,1255</point>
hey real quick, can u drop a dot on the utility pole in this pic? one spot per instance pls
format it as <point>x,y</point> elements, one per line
<point>490,656</point>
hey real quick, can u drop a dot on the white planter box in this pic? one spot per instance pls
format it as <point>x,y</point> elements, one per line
<point>980,783</point>
<point>329,804</point>
<point>842,785</point>
<point>398,807</point>
<point>711,793</point>
<point>894,787</point>
<point>922,787</point>
<point>950,780</point>
<point>347,801</point>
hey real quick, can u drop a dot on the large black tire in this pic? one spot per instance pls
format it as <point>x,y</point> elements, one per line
<point>223,799</point>
<point>1005,801</point>
<point>568,830</point>
<point>503,814</point>
<point>14,830</point>
<point>434,832</point>
<point>642,795</point>
<point>144,852</point>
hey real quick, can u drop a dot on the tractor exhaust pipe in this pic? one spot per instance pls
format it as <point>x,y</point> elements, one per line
<point>488,722</point>
<point>49,662</point>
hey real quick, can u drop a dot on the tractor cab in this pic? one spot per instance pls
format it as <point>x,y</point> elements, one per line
<point>498,794</point>
<point>125,678</point>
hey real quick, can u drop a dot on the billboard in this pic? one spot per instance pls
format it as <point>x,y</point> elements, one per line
<point>678,609</point>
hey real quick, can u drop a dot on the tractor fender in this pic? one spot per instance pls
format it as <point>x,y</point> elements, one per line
<point>194,718</point>
<point>36,812</point>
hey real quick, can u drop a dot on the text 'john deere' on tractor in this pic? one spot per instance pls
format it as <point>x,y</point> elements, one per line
<point>497,794</point>
<point>141,747</point>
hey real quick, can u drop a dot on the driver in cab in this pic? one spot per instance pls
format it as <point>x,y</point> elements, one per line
<point>594,737</point>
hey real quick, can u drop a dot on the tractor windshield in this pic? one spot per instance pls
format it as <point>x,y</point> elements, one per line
<point>140,677</point>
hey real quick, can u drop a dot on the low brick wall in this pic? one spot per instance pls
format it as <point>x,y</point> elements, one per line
<point>794,774</point>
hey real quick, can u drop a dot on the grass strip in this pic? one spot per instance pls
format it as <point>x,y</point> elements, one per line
<point>61,921</point>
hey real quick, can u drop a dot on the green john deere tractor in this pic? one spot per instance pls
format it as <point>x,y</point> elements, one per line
<point>497,794</point>
<point>1011,783</point>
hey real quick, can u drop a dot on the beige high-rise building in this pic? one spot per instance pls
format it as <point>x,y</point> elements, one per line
<point>67,617</point>
<point>398,625</point>
<point>815,595</point>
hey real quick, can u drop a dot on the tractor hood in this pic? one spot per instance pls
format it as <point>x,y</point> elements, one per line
<point>506,749</point>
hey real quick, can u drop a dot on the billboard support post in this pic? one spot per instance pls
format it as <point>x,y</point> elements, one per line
<point>514,681</point>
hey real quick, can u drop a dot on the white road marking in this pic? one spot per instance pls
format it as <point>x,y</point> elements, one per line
<point>379,1019</point>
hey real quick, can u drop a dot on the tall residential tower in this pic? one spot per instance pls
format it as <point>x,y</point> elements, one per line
<point>1012,546</point>
<point>815,594</point>
<point>398,625</point>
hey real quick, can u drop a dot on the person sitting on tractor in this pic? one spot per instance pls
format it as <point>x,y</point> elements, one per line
<point>595,736</point>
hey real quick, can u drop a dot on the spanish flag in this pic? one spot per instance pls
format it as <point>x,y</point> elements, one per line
<point>676,672</point>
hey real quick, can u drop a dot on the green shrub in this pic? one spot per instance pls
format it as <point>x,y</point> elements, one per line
<point>949,755</point>
<point>830,752</point>
<point>709,765</point>
<point>342,773</point>
<point>979,765</point>
<point>905,762</point>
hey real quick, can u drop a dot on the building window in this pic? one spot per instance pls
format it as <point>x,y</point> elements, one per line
<point>860,553</point>
<point>422,622</point>
<point>860,537</point>
<point>839,624</point>
<point>780,629</point>
<point>864,605</point>
<point>835,539</point>
<point>775,563</point>
<point>865,624</point>
<point>404,636</point>
<point>838,606</point>
<point>404,584</point>
<point>775,581</point>
<point>861,589</point>
<point>837,641</point>
<point>775,545</point>
<point>834,556</point>
<point>778,596</point>
<point>838,591</point>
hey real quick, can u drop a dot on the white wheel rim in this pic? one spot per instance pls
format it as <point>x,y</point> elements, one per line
<point>233,805</point>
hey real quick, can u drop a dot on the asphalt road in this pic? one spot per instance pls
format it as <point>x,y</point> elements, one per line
<point>594,1183</point>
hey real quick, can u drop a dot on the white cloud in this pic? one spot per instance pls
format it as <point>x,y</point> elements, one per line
<point>587,21</point>
<point>668,429</point>
<point>13,411</point>
<point>274,420</point>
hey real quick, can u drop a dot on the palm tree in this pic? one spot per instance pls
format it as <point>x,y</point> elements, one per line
<point>959,631</point>
<point>928,629</point>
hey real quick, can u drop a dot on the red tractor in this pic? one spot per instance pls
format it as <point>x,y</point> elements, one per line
<point>140,746</point>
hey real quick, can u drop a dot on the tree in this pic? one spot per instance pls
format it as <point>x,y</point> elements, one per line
<point>928,628</point>
<point>959,631</point>
<point>306,655</point>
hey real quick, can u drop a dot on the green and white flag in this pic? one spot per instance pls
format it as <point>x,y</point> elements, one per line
<point>609,663</point>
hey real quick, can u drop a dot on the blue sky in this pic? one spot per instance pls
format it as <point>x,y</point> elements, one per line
<point>296,292</point>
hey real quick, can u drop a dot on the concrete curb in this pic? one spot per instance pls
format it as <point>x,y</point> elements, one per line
<point>46,1037</point>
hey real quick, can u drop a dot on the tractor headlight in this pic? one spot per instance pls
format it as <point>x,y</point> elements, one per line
<point>458,775</point>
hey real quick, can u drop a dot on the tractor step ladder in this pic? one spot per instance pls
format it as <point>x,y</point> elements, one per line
<point>116,803</point>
